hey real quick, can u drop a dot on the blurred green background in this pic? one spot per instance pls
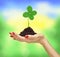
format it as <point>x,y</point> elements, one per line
<point>10,20</point>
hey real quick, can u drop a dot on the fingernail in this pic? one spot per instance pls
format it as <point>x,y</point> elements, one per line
<point>26,36</point>
<point>13,33</point>
<point>11,36</point>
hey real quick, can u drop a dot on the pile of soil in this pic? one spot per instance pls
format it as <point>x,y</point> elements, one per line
<point>27,31</point>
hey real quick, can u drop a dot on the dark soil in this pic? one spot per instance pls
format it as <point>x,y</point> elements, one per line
<point>27,31</point>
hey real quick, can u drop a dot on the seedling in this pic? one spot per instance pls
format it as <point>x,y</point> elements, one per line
<point>29,14</point>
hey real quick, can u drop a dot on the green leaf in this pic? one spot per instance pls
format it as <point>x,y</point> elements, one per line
<point>31,17</point>
<point>25,14</point>
<point>29,8</point>
<point>34,12</point>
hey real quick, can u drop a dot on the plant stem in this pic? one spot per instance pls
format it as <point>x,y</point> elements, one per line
<point>28,22</point>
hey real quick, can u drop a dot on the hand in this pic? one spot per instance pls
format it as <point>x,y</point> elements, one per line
<point>37,38</point>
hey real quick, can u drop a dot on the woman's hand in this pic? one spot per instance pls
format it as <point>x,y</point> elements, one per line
<point>37,38</point>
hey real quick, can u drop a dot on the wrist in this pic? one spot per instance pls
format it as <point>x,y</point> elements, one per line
<point>43,41</point>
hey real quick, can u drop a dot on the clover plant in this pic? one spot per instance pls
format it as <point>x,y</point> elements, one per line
<point>30,14</point>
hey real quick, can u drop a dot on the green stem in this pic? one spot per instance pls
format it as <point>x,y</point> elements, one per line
<point>28,22</point>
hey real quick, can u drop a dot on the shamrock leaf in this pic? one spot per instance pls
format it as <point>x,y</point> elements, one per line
<point>31,17</point>
<point>29,8</point>
<point>30,13</point>
<point>34,12</point>
<point>25,14</point>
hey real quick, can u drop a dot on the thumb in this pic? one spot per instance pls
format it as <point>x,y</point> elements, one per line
<point>30,37</point>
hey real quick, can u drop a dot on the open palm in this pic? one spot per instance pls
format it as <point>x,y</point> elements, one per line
<point>28,38</point>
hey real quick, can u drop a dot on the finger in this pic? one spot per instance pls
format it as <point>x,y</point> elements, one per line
<point>30,37</point>
<point>19,38</point>
<point>26,36</point>
<point>11,34</point>
<point>23,39</point>
<point>34,38</point>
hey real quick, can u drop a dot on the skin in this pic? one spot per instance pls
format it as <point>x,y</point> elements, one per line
<point>37,38</point>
